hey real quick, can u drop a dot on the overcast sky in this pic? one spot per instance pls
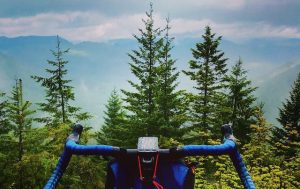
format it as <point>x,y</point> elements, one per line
<point>100,20</point>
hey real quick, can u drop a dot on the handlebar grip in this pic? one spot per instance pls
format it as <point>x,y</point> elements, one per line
<point>226,129</point>
<point>77,130</point>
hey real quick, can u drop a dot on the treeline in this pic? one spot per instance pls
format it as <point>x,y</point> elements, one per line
<point>153,107</point>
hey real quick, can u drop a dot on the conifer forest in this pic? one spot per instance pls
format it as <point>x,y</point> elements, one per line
<point>33,134</point>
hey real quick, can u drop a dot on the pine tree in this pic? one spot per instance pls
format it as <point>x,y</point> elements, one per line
<point>267,170</point>
<point>19,113</point>
<point>114,130</point>
<point>59,93</point>
<point>4,123</point>
<point>258,153</point>
<point>6,145</point>
<point>208,69</point>
<point>241,100</point>
<point>171,102</point>
<point>287,138</point>
<point>144,64</point>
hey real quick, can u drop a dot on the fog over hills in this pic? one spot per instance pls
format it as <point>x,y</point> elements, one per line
<point>96,68</point>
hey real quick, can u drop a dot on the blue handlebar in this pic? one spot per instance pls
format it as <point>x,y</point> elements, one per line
<point>59,170</point>
<point>227,148</point>
<point>203,150</point>
<point>71,147</point>
<point>240,167</point>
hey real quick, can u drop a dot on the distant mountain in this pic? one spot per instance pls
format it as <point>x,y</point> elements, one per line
<point>97,68</point>
<point>274,88</point>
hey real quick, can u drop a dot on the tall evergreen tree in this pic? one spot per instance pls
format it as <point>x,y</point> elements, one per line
<point>208,69</point>
<point>287,138</point>
<point>171,102</point>
<point>114,130</point>
<point>19,113</point>
<point>4,123</point>
<point>59,93</point>
<point>144,64</point>
<point>241,100</point>
<point>6,145</point>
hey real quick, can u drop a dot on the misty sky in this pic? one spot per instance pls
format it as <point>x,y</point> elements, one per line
<point>100,20</point>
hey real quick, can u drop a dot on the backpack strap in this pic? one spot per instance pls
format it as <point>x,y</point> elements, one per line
<point>154,182</point>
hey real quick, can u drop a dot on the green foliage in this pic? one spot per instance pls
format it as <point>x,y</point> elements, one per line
<point>83,171</point>
<point>267,170</point>
<point>257,153</point>
<point>114,129</point>
<point>201,181</point>
<point>215,172</point>
<point>19,110</point>
<point>155,106</point>
<point>170,101</point>
<point>59,93</point>
<point>44,153</point>
<point>287,138</point>
<point>144,62</point>
<point>25,151</point>
<point>208,69</point>
<point>20,121</point>
<point>241,101</point>
<point>8,158</point>
<point>4,123</point>
<point>224,174</point>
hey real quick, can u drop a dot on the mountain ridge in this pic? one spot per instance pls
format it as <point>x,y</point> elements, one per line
<point>98,67</point>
